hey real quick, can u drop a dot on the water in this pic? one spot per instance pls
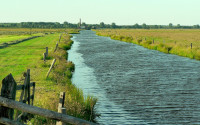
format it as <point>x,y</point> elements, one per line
<point>136,85</point>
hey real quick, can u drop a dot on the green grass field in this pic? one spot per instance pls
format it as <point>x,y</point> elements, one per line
<point>173,41</point>
<point>9,38</point>
<point>18,58</point>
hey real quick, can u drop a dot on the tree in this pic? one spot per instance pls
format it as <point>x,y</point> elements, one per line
<point>113,25</point>
<point>178,26</point>
<point>136,26</point>
<point>170,25</point>
<point>83,24</point>
<point>156,26</point>
<point>66,24</point>
<point>144,26</point>
<point>196,26</point>
<point>102,25</point>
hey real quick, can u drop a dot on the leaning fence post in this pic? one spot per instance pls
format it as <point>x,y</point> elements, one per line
<point>56,47</point>
<point>61,108</point>
<point>8,90</point>
<point>60,37</point>
<point>51,67</point>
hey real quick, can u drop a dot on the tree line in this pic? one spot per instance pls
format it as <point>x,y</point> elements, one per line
<point>51,25</point>
<point>145,26</point>
<point>43,25</point>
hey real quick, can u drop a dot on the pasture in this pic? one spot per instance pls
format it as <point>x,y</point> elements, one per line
<point>182,42</point>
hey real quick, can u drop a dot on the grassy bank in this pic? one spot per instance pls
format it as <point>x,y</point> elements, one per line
<point>165,40</point>
<point>17,58</point>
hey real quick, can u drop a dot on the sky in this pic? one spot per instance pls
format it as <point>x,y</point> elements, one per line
<point>121,12</point>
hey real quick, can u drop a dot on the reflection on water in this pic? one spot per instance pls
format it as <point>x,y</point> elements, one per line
<point>135,85</point>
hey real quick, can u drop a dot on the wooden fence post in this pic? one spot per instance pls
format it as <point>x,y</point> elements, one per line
<point>153,41</point>
<point>8,90</point>
<point>63,111</point>
<point>61,99</point>
<point>61,108</point>
<point>27,87</point>
<point>27,96</point>
<point>44,57</point>
<point>51,67</point>
<point>23,98</point>
<point>47,52</point>
<point>191,45</point>
<point>60,37</point>
<point>56,47</point>
<point>33,93</point>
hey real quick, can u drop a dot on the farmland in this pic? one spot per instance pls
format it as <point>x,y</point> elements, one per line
<point>173,41</point>
<point>28,54</point>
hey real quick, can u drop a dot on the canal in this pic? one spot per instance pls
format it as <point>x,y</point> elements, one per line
<point>135,85</point>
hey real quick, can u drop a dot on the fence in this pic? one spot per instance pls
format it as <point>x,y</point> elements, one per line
<point>9,89</point>
<point>8,104</point>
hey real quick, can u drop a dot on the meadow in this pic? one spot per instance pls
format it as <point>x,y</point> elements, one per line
<point>9,38</point>
<point>182,42</point>
<point>17,58</point>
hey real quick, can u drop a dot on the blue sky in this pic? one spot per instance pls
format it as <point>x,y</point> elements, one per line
<point>122,12</point>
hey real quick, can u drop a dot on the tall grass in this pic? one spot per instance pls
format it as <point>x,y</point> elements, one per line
<point>165,40</point>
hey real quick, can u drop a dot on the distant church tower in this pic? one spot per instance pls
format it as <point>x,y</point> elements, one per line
<point>80,23</point>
